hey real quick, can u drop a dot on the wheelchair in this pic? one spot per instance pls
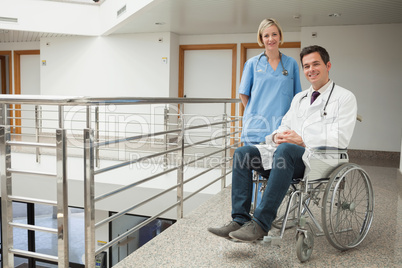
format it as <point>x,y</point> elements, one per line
<point>341,190</point>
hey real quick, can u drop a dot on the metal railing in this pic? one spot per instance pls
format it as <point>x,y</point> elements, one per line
<point>110,134</point>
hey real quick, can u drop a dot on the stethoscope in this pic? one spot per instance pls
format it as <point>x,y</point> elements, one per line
<point>324,111</point>
<point>284,72</point>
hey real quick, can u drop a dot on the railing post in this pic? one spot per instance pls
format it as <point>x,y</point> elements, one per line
<point>62,199</point>
<point>3,121</point>
<point>166,138</point>
<point>6,191</point>
<point>88,116</point>
<point>224,144</point>
<point>61,116</point>
<point>89,194</point>
<point>37,130</point>
<point>180,162</point>
<point>97,135</point>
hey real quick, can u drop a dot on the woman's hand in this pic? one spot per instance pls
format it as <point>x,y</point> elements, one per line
<point>244,99</point>
<point>289,136</point>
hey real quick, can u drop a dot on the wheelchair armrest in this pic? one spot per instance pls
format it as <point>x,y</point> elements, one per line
<point>329,150</point>
<point>322,166</point>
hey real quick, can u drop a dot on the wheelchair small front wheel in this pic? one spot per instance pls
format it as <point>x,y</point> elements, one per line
<point>304,246</point>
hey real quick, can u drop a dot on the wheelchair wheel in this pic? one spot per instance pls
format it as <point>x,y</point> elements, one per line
<point>304,246</point>
<point>292,218</point>
<point>347,208</point>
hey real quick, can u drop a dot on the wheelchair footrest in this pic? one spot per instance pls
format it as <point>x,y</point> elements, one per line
<point>272,240</point>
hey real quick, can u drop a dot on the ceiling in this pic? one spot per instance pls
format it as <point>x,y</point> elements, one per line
<point>197,17</point>
<point>243,16</point>
<point>86,2</point>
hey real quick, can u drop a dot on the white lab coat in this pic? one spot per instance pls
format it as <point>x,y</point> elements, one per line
<point>332,130</point>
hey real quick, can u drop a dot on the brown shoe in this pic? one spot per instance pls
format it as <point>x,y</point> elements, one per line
<point>249,232</point>
<point>225,230</point>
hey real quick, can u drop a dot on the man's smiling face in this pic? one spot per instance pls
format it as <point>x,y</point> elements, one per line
<point>315,70</point>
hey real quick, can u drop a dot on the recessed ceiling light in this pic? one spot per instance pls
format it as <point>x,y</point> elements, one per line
<point>334,15</point>
<point>159,23</point>
<point>7,19</point>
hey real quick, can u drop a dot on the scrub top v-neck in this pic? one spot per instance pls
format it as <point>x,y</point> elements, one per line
<point>270,94</point>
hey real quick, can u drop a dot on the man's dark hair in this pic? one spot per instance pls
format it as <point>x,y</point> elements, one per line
<point>311,49</point>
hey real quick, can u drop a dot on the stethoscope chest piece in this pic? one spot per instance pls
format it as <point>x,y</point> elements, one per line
<point>285,72</point>
<point>324,110</point>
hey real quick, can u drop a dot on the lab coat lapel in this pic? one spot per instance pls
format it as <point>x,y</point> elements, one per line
<point>315,106</point>
<point>315,109</point>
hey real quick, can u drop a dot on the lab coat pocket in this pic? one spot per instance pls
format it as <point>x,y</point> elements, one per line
<point>328,119</point>
<point>330,114</point>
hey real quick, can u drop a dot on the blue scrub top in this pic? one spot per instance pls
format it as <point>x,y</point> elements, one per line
<point>270,94</point>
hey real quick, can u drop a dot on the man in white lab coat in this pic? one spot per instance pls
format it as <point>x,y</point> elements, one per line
<point>322,116</point>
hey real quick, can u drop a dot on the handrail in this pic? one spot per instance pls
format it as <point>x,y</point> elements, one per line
<point>32,144</point>
<point>136,137</point>
<point>121,213</point>
<point>130,162</point>
<point>170,136</point>
<point>32,200</point>
<point>20,171</point>
<point>121,189</point>
<point>34,228</point>
<point>92,101</point>
<point>34,255</point>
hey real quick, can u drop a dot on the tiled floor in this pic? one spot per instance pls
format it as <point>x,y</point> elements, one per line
<point>188,243</point>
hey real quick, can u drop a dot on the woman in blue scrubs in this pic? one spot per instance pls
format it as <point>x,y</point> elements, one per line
<point>268,84</point>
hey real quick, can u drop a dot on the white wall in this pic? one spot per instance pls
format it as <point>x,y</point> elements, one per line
<point>19,46</point>
<point>30,85</point>
<point>30,73</point>
<point>108,13</point>
<point>118,65</point>
<point>173,62</point>
<point>78,19</point>
<point>367,60</point>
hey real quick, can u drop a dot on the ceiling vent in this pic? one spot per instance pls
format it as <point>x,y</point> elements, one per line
<point>121,10</point>
<point>7,19</point>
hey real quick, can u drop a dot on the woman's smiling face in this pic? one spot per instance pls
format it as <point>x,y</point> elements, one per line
<point>271,37</point>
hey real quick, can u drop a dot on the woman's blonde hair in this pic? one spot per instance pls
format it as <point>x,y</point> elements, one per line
<point>265,24</point>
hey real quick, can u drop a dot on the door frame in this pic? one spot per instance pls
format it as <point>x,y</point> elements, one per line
<point>10,70</point>
<point>233,47</point>
<point>17,83</point>
<point>3,74</point>
<point>17,67</point>
<point>10,81</point>
<point>182,50</point>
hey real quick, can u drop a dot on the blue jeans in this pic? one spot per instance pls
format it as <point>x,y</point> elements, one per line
<point>287,164</point>
<point>259,184</point>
